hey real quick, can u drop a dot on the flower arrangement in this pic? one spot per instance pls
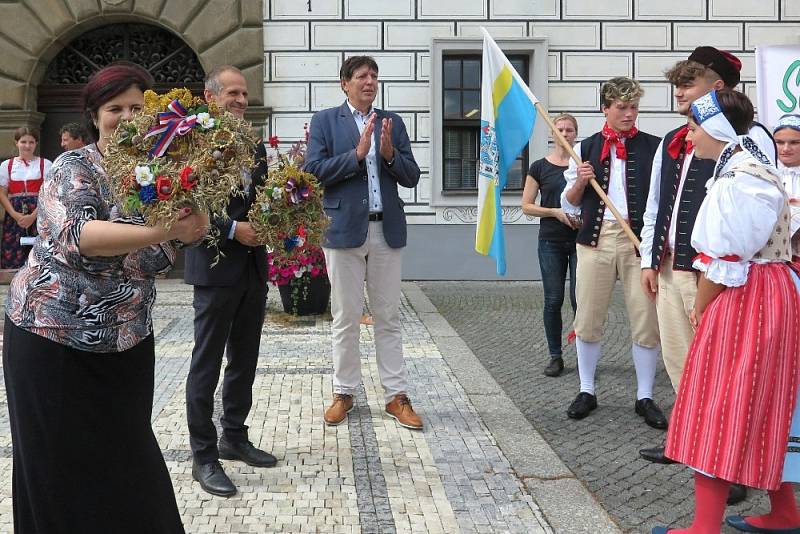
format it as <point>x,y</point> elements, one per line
<point>287,212</point>
<point>286,268</point>
<point>179,151</point>
<point>287,216</point>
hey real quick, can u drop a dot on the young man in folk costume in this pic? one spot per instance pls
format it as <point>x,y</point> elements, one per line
<point>734,416</point>
<point>620,158</point>
<point>677,189</point>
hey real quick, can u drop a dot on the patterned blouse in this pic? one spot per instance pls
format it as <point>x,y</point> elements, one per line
<point>94,304</point>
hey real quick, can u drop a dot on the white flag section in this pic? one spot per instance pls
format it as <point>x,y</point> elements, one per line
<point>508,113</point>
<point>777,82</point>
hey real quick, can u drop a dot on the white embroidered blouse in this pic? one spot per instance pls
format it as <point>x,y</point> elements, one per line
<point>737,218</point>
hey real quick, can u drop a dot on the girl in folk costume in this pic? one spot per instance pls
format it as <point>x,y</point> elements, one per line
<point>20,180</point>
<point>732,417</point>
<point>787,140</point>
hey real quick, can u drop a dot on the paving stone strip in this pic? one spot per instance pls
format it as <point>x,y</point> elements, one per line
<point>370,475</point>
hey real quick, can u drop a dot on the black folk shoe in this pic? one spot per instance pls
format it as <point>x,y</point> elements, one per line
<point>582,406</point>
<point>655,455</point>
<point>652,414</point>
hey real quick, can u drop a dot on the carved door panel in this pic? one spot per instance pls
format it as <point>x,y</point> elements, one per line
<point>171,62</point>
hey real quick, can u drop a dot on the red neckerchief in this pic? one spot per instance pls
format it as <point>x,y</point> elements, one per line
<point>613,138</point>
<point>678,142</point>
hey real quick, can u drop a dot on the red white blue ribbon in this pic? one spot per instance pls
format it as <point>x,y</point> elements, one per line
<point>170,123</point>
<point>297,193</point>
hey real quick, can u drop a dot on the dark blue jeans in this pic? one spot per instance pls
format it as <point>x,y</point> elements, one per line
<point>556,258</point>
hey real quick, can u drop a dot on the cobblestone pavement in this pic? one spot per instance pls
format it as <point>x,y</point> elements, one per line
<point>501,323</point>
<point>369,475</point>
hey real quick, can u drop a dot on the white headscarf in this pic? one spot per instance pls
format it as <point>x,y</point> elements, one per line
<point>707,112</point>
<point>788,121</point>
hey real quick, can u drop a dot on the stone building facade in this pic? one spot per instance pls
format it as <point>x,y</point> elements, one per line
<point>293,50</point>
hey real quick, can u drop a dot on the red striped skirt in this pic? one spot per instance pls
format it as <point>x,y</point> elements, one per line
<point>739,386</point>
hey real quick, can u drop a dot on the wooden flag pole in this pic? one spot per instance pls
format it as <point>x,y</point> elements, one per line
<point>596,186</point>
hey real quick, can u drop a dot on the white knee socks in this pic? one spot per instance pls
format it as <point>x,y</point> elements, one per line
<point>644,360</point>
<point>588,356</point>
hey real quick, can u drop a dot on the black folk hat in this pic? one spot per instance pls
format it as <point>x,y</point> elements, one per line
<point>723,63</point>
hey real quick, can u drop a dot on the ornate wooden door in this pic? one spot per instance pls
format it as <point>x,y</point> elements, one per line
<point>170,60</point>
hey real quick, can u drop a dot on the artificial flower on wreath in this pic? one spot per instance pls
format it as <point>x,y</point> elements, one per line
<point>178,151</point>
<point>287,214</point>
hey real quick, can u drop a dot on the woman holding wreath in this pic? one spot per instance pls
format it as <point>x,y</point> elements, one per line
<point>78,352</point>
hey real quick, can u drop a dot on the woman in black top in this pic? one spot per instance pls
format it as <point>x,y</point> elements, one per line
<point>556,236</point>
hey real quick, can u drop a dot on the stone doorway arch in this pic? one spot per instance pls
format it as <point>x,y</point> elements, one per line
<point>34,32</point>
<point>171,62</point>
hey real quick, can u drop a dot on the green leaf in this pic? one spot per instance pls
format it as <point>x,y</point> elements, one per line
<point>132,203</point>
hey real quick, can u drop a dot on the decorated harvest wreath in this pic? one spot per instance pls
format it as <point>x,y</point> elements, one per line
<point>180,151</point>
<point>287,214</point>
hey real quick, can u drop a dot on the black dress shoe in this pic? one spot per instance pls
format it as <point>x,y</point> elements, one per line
<point>652,414</point>
<point>212,478</point>
<point>582,406</point>
<point>246,452</point>
<point>737,494</point>
<point>555,367</point>
<point>656,455</point>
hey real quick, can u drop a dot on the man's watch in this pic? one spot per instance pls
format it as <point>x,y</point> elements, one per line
<point>390,162</point>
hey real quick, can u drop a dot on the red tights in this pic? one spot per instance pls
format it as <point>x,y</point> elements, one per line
<point>709,507</point>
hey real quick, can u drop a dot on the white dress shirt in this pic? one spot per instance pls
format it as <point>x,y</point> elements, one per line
<point>653,200</point>
<point>375,201</point>
<point>616,186</point>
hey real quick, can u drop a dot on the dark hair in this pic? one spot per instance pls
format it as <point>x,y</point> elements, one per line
<point>354,63</point>
<point>737,108</point>
<point>75,130</point>
<point>19,133</point>
<point>107,83</point>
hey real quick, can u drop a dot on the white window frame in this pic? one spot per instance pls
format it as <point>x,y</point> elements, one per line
<point>536,50</point>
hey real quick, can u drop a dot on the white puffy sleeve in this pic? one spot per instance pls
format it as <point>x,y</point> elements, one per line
<point>47,165</point>
<point>735,221</point>
<point>4,177</point>
<point>571,175</point>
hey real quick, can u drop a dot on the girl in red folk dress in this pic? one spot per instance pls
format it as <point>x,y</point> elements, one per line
<point>732,418</point>
<point>20,180</point>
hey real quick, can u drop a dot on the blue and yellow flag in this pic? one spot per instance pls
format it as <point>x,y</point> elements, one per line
<point>508,113</point>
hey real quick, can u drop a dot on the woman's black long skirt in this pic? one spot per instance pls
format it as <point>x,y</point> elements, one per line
<point>85,456</point>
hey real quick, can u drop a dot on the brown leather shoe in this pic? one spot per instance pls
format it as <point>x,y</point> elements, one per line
<point>400,408</point>
<point>336,413</point>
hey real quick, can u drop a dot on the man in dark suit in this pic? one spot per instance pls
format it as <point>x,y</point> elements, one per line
<point>361,154</point>
<point>229,305</point>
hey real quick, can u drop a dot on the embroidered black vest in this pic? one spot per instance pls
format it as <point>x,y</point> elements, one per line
<point>692,195</point>
<point>641,148</point>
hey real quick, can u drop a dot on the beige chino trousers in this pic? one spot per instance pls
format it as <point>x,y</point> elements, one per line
<point>347,269</point>
<point>674,302</point>
<point>597,273</point>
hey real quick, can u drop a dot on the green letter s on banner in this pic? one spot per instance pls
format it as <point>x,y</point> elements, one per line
<point>788,108</point>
